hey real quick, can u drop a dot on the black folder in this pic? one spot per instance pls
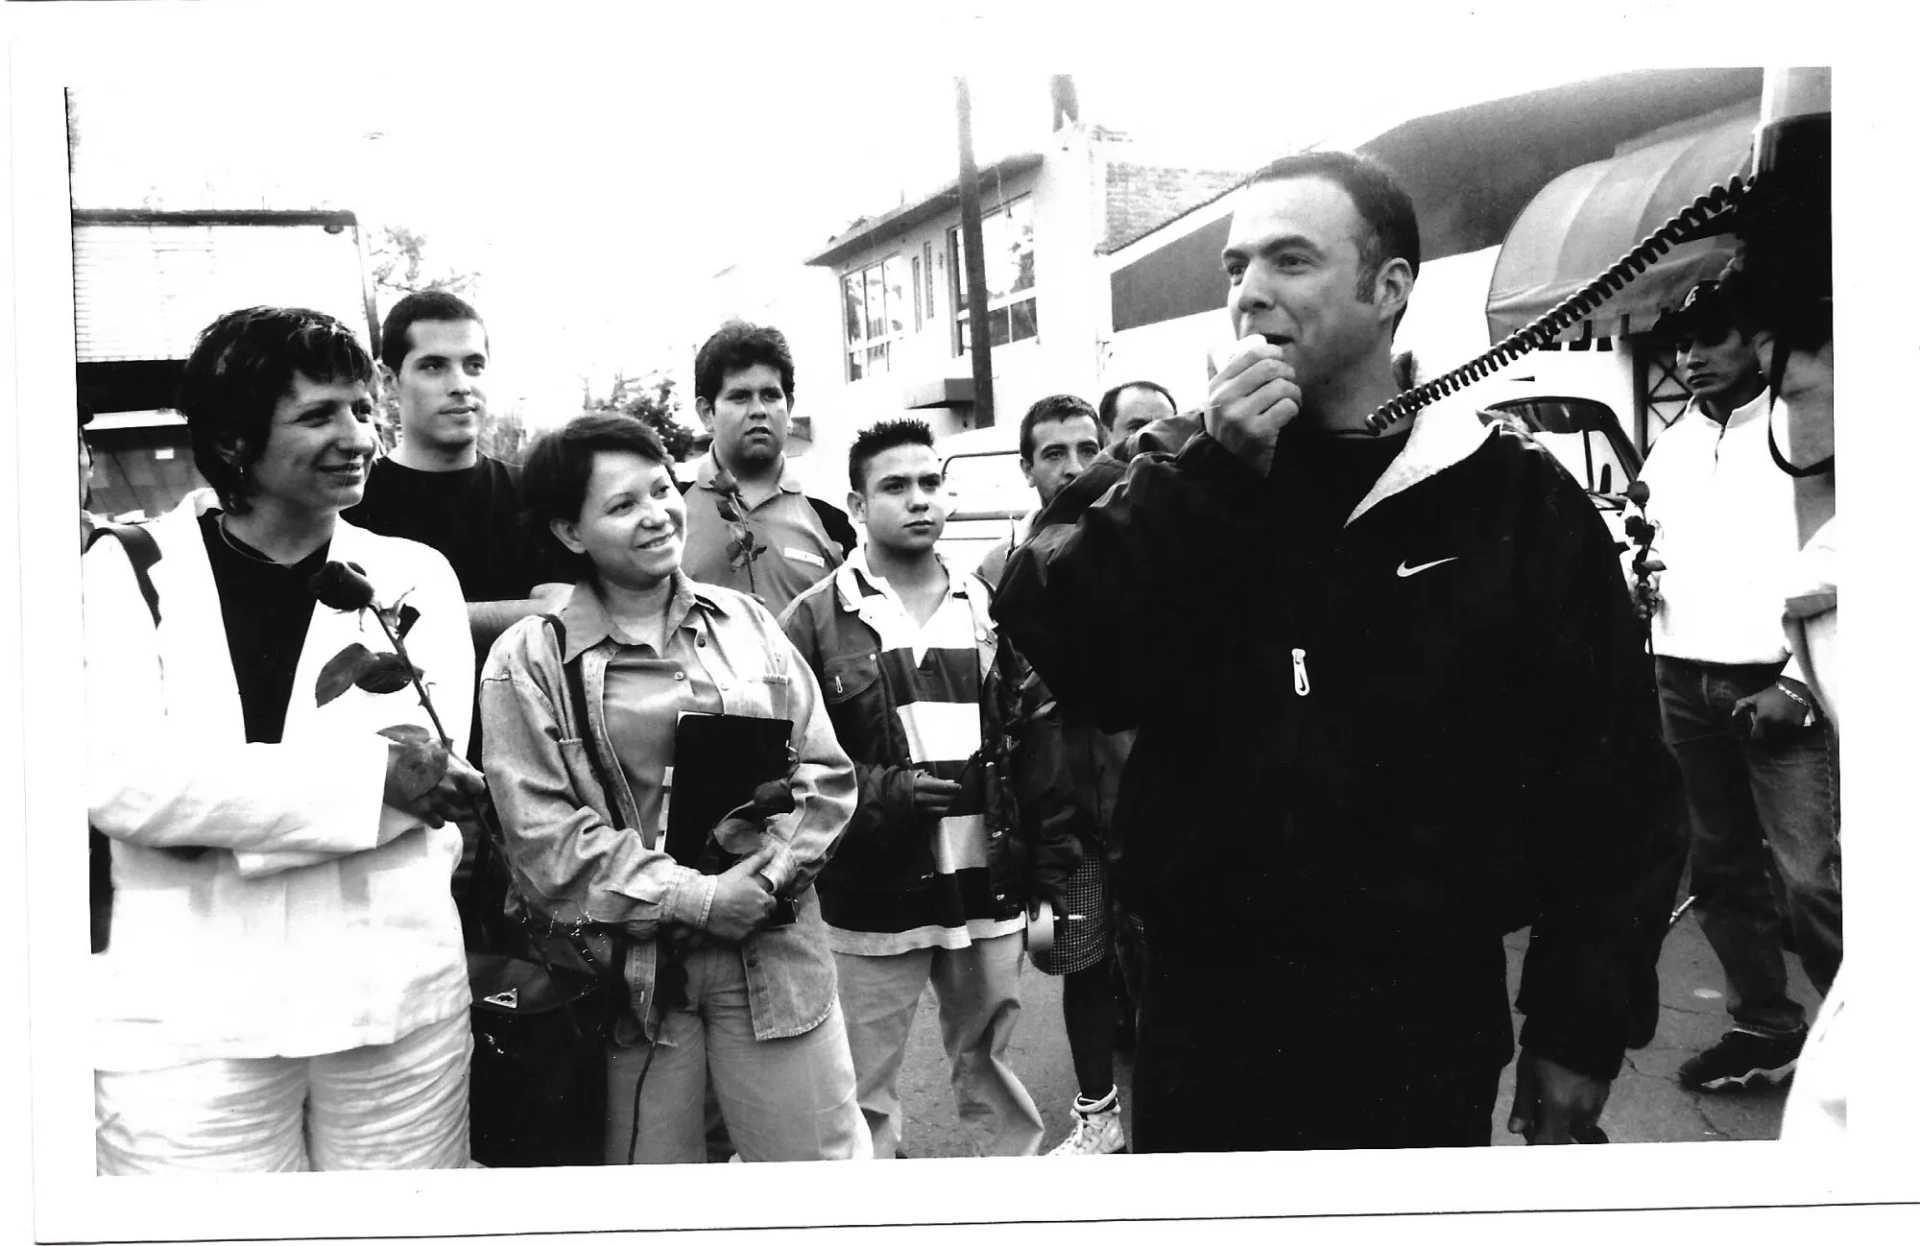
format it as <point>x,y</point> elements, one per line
<point>718,759</point>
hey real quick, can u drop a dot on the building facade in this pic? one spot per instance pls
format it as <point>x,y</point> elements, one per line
<point>1049,218</point>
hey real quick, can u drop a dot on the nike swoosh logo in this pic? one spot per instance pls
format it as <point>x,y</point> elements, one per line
<point>1404,570</point>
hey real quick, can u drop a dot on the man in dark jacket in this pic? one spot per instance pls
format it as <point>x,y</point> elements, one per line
<point>1410,712</point>
<point>964,815</point>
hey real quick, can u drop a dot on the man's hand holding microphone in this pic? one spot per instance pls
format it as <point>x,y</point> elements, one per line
<point>1251,398</point>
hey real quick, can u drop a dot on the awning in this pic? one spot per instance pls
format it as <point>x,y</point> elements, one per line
<point>946,391</point>
<point>1588,217</point>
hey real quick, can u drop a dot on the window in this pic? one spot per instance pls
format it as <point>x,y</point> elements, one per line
<point>918,314</point>
<point>926,266</point>
<point>875,303</point>
<point>1006,237</point>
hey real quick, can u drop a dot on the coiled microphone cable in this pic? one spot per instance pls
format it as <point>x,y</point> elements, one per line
<point>1679,228</point>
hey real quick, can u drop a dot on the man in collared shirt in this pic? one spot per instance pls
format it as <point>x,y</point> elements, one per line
<point>932,880</point>
<point>1760,764</point>
<point>743,391</point>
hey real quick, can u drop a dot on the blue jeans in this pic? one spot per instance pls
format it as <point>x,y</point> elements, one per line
<point>1766,827</point>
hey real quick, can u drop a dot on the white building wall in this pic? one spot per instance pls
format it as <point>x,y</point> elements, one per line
<point>787,296</point>
<point>1067,195</point>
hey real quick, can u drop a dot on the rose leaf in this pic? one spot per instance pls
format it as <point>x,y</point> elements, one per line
<point>387,672</point>
<point>342,671</point>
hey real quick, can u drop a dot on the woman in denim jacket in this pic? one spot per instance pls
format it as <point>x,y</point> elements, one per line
<point>712,987</point>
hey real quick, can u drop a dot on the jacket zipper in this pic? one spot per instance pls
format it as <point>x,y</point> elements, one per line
<point>1300,685</point>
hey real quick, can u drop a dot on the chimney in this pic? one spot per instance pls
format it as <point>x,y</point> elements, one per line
<point>1066,100</point>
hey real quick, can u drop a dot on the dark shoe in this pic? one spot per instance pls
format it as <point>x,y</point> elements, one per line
<point>1741,1057</point>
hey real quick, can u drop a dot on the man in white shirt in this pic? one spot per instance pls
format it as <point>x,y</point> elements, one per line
<point>1759,759</point>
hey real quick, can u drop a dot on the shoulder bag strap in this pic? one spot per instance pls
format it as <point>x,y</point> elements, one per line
<point>577,717</point>
<point>575,698</point>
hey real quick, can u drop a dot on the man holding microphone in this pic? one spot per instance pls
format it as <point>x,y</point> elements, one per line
<point>1417,716</point>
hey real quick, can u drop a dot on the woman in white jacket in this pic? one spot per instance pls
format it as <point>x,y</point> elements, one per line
<point>284,985</point>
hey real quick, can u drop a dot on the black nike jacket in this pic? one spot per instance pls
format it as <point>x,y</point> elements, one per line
<point>1439,726</point>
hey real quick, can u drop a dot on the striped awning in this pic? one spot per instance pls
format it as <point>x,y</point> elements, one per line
<point>146,283</point>
<point>1588,217</point>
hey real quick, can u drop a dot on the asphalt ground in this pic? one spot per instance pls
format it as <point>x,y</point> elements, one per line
<point>1646,1105</point>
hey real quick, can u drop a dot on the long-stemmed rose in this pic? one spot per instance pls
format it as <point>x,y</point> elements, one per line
<point>745,546</point>
<point>344,586</point>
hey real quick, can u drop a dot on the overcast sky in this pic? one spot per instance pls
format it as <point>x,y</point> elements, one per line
<point>596,174</point>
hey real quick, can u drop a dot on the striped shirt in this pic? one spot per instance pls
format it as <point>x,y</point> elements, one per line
<point>932,675</point>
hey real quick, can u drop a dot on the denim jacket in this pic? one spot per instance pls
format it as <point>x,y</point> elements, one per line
<point>571,864</point>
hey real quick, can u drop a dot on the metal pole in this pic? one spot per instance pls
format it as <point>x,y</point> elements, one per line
<point>976,261</point>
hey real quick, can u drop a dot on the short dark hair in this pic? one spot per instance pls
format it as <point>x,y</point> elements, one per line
<point>1390,228</point>
<point>878,438</point>
<point>241,366</point>
<point>1110,401</point>
<point>396,333</point>
<point>553,480</point>
<point>736,346</point>
<point>1049,409</point>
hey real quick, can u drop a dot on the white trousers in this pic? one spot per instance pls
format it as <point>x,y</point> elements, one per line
<point>401,1105</point>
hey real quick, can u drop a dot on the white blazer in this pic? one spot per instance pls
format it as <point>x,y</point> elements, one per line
<point>321,919</point>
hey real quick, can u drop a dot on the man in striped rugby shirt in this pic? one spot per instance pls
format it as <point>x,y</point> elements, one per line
<point>965,813</point>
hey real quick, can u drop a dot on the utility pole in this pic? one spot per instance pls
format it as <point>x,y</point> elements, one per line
<point>976,260</point>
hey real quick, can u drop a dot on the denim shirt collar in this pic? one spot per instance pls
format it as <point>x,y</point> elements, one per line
<point>587,623</point>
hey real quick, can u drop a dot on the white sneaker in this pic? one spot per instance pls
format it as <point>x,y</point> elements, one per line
<point>1096,1131</point>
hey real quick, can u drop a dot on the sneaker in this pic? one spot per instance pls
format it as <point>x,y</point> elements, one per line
<point>1096,1130</point>
<point>1739,1058</point>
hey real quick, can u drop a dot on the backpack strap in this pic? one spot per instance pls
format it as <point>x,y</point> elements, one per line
<point>143,552</point>
<point>839,528</point>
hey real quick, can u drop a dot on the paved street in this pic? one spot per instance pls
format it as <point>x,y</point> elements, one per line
<point>1647,1105</point>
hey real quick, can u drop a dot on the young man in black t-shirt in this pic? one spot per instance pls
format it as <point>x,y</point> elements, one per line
<point>436,487</point>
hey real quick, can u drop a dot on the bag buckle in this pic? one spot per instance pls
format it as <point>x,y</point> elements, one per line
<point>509,998</point>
